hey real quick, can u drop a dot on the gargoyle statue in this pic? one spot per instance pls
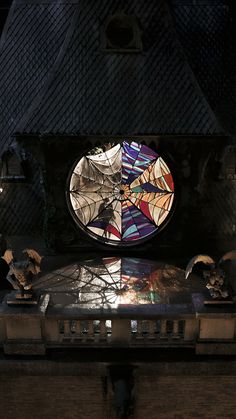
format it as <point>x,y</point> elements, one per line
<point>21,273</point>
<point>216,276</point>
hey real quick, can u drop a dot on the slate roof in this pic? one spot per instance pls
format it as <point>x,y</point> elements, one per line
<point>92,92</point>
<point>30,45</point>
<point>54,78</point>
<point>206,31</point>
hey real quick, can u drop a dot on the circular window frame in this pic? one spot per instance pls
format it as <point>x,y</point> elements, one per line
<point>86,232</point>
<point>135,45</point>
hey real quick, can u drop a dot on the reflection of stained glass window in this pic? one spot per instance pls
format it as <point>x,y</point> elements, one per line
<point>121,195</point>
<point>114,281</point>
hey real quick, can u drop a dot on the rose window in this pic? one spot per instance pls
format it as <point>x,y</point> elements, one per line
<point>121,194</point>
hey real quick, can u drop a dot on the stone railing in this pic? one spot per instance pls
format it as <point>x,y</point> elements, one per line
<point>32,330</point>
<point>159,332</point>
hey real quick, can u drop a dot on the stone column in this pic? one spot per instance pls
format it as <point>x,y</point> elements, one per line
<point>24,327</point>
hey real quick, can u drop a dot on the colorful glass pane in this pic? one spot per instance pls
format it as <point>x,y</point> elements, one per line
<point>122,194</point>
<point>109,283</point>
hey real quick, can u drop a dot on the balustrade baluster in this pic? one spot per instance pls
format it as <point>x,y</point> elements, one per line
<point>152,329</point>
<point>176,329</point>
<point>139,329</point>
<point>90,329</point>
<point>78,329</point>
<point>67,331</point>
<point>163,334</point>
<point>103,329</point>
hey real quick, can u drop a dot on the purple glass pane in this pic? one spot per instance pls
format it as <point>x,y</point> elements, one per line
<point>134,224</point>
<point>135,159</point>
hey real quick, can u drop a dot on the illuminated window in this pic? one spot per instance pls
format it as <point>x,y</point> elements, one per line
<point>121,194</point>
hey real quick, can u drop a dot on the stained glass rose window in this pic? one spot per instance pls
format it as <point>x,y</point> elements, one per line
<point>121,194</point>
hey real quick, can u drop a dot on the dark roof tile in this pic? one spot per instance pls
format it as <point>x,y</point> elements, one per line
<point>32,43</point>
<point>206,32</point>
<point>152,92</point>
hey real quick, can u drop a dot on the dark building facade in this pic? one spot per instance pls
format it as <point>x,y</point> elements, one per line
<point>79,74</point>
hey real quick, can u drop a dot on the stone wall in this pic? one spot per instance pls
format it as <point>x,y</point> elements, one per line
<point>183,397</point>
<point>73,390</point>
<point>52,397</point>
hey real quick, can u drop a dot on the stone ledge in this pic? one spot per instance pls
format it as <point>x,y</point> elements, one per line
<point>83,367</point>
<point>27,348</point>
<point>215,348</point>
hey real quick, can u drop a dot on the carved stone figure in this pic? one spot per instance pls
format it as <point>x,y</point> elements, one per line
<point>22,273</point>
<point>216,276</point>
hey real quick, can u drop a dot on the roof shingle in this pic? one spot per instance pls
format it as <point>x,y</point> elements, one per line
<point>152,92</point>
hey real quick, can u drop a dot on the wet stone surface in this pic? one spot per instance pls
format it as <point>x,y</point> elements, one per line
<point>117,282</point>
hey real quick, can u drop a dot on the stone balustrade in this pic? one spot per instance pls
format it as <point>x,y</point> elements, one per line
<point>133,332</point>
<point>31,330</point>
